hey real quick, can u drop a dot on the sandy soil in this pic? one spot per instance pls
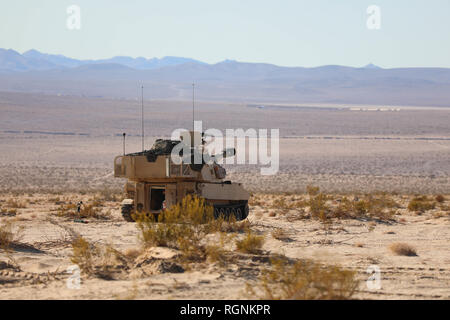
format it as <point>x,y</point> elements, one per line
<point>43,256</point>
<point>38,163</point>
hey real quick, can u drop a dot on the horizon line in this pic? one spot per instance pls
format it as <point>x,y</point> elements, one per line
<point>376,66</point>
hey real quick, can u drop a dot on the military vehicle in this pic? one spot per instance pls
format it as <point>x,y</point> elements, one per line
<point>156,182</point>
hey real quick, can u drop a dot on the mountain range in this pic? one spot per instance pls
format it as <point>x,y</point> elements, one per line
<point>11,60</point>
<point>229,80</point>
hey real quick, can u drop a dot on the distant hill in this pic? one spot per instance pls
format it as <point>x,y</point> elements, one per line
<point>56,60</point>
<point>372,66</point>
<point>11,60</point>
<point>171,78</point>
<point>34,60</point>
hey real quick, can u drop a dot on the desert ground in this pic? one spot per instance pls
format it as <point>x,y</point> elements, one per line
<point>384,200</point>
<point>36,265</point>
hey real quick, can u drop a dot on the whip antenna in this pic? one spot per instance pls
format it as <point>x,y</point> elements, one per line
<point>193,118</point>
<point>124,134</point>
<point>142,100</point>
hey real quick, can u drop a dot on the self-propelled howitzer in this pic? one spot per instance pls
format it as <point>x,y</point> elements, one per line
<point>156,181</point>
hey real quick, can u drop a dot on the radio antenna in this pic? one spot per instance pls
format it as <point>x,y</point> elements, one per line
<point>124,134</point>
<point>142,100</point>
<point>193,118</point>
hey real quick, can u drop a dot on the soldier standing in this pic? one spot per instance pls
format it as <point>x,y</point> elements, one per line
<point>79,206</point>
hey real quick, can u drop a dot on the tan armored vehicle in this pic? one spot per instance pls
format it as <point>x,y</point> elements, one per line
<point>156,182</point>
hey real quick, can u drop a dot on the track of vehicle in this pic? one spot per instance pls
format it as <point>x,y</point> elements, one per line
<point>238,210</point>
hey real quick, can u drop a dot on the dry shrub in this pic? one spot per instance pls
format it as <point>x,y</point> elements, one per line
<point>181,226</point>
<point>403,249</point>
<point>312,190</point>
<point>8,236</point>
<point>56,200</point>
<point>445,208</point>
<point>317,203</point>
<point>67,210</point>
<point>251,243</point>
<point>184,226</point>
<point>361,207</point>
<point>132,253</point>
<point>298,215</point>
<point>89,210</point>
<point>83,254</point>
<point>93,211</point>
<point>96,260</point>
<point>12,203</point>
<point>111,195</point>
<point>192,250</point>
<point>421,198</point>
<point>286,203</point>
<point>110,260</point>
<point>281,235</point>
<point>343,210</point>
<point>230,225</point>
<point>381,207</point>
<point>162,234</point>
<point>8,211</point>
<point>191,210</point>
<point>183,220</point>
<point>305,280</point>
<point>438,215</point>
<point>371,206</point>
<point>280,203</point>
<point>96,202</point>
<point>421,204</point>
<point>216,252</point>
<point>299,204</point>
<point>255,201</point>
<point>318,206</point>
<point>440,198</point>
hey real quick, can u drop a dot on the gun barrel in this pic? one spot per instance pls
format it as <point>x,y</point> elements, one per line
<point>229,152</point>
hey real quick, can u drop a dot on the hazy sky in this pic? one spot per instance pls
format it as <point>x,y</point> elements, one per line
<point>286,32</point>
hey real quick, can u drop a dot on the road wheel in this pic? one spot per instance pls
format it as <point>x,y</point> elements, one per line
<point>126,212</point>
